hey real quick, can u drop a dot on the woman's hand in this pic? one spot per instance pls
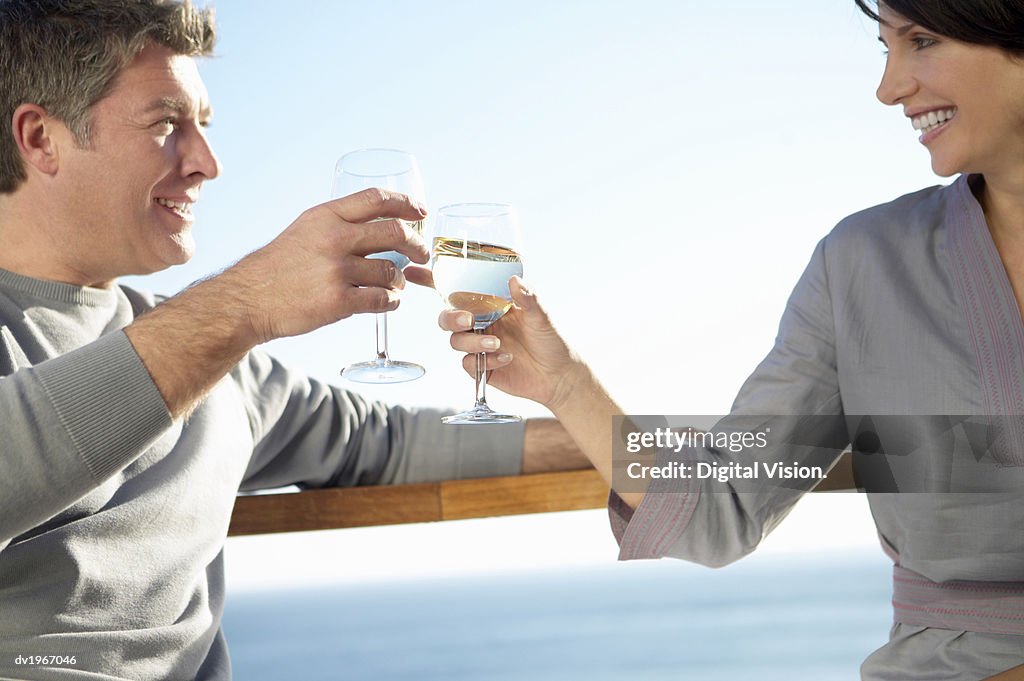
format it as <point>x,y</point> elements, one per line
<point>526,356</point>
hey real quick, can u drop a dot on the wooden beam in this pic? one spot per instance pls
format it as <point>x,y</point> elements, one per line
<point>541,493</point>
<point>426,502</point>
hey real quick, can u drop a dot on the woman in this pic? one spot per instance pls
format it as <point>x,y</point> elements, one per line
<point>907,309</point>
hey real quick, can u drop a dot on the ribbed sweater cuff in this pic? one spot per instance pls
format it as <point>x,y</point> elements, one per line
<point>106,401</point>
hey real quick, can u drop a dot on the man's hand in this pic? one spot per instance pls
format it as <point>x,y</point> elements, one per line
<point>315,272</point>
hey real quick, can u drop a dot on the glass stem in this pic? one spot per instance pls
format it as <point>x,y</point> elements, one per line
<point>481,376</point>
<point>382,337</point>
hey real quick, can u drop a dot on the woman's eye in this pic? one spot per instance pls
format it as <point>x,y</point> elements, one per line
<point>920,42</point>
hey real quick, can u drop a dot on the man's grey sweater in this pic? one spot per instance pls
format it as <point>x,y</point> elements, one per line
<point>113,516</point>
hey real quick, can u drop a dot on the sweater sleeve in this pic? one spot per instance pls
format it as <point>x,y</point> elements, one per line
<point>315,435</point>
<point>68,424</point>
<point>795,393</point>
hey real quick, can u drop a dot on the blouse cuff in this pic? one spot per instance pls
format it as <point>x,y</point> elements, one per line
<point>664,513</point>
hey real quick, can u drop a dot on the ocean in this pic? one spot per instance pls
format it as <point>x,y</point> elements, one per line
<point>781,618</point>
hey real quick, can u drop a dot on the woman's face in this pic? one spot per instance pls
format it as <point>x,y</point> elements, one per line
<point>966,101</point>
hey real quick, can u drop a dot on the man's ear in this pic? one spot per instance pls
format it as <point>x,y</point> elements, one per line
<point>35,133</point>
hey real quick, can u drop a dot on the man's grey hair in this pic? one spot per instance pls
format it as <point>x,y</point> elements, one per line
<point>64,56</point>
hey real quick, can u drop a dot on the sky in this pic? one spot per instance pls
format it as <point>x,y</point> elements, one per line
<point>673,162</point>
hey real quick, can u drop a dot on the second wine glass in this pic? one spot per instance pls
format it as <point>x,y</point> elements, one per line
<point>396,171</point>
<point>475,252</point>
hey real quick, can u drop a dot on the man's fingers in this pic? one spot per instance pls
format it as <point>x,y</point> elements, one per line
<point>421,276</point>
<point>371,299</point>
<point>380,236</point>
<point>374,272</point>
<point>370,204</point>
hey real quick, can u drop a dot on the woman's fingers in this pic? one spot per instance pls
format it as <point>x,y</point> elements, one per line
<point>495,360</point>
<point>474,343</point>
<point>455,320</point>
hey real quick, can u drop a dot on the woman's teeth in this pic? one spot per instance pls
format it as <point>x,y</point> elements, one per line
<point>931,120</point>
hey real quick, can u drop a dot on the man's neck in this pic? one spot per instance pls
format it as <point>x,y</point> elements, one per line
<point>32,249</point>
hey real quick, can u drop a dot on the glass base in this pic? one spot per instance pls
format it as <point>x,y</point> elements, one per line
<point>480,415</point>
<point>383,371</point>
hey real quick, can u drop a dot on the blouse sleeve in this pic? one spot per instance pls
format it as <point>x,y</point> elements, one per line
<point>794,393</point>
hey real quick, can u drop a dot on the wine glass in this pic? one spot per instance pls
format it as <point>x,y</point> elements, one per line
<point>396,171</point>
<point>475,252</point>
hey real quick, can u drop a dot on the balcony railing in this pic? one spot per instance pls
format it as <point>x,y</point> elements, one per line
<point>324,509</point>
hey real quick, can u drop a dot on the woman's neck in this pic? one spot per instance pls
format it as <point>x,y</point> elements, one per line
<point>1003,204</point>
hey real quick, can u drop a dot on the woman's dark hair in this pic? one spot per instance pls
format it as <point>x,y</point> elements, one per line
<point>998,23</point>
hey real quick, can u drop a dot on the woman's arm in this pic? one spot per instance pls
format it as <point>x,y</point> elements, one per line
<point>528,358</point>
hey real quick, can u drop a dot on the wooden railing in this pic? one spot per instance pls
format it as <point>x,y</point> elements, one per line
<point>324,509</point>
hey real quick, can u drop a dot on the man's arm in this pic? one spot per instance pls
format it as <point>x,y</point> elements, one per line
<point>73,421</point>
<point>311,275</point>
<point>314,434</point>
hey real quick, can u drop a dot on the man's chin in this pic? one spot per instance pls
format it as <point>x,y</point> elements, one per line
<point>176,251</point>
<point>184,247</point>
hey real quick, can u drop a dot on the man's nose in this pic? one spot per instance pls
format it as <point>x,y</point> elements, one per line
<point>199,157</point>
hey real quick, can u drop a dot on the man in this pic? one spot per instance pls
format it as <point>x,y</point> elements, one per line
<point>128,427</point>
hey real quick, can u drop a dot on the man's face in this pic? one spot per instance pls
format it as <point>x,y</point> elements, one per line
<point>131,193</point>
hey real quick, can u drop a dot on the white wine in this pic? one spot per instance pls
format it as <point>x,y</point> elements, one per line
<point>474,276</point>
<point>394,256</point>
